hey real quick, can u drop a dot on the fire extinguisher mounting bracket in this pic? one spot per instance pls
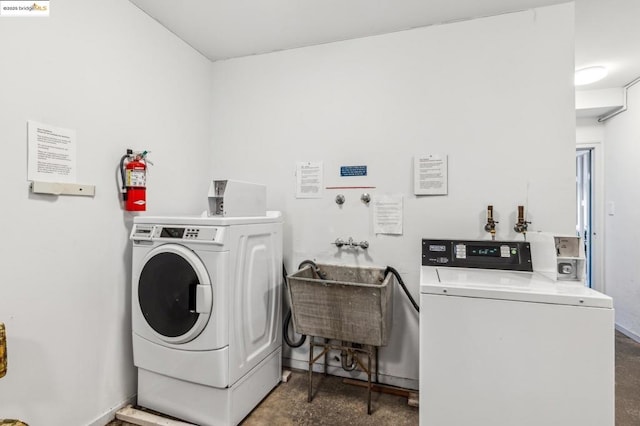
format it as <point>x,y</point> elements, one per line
<point>59,188</point>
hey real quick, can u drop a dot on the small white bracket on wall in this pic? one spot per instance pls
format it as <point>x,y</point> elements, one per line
<point>58,188</point>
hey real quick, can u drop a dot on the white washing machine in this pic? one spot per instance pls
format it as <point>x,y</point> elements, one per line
<point>206,314</point>
<point>502,345</point>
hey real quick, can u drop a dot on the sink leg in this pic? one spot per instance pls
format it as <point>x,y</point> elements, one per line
<point>310,368</point>
<point>369,382</point>
<point>326,358</point>
<point>376,349</point>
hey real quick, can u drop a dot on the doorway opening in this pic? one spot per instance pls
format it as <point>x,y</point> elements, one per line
<point>584,206</point>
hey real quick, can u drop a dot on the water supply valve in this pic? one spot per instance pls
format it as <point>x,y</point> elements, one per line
<point>522,224</point>
<point>491,224</point>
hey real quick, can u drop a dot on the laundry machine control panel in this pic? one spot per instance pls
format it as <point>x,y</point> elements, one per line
<point>505,255</point>
<point>193,233</point>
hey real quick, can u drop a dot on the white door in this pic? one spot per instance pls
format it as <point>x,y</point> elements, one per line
<point>585,205</point>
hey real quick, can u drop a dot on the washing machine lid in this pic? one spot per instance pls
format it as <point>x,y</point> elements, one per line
<point>508,285</point>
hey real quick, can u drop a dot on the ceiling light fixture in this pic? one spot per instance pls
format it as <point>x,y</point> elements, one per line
<point>590,75</point>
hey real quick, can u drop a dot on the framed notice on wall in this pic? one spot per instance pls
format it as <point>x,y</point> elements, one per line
<point>430,175</point>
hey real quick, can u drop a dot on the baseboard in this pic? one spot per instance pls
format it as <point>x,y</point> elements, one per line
<point>318,367</point>
<point>111,414</point>
<point>628,333</point>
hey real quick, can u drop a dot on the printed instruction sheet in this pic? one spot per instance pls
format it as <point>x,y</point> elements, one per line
<point>51,153</point>
<point>309,179</point>
<point>387,214</point>
<point>430,175</point>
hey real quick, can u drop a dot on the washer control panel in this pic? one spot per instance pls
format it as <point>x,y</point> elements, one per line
<point>195,233</point>
<point>506,255</point>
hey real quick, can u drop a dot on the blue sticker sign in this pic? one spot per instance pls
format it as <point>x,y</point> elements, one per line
<point>353,171</point>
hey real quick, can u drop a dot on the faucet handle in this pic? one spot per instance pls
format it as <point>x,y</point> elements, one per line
<point>350,243</point>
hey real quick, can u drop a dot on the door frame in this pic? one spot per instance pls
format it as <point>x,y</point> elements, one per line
<point>598,213</point>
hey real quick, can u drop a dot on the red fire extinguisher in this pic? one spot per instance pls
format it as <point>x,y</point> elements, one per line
<point>133,169</point>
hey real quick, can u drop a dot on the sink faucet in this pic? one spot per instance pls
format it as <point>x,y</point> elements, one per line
<point>350,243</point>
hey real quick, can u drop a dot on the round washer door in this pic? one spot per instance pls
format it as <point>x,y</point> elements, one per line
<point>175,293</point>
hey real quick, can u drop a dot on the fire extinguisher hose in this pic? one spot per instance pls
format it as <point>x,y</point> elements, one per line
<point>122,176</point>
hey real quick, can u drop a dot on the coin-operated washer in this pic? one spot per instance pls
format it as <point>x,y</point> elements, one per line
<point>502,344</point>
<point>206,313</point>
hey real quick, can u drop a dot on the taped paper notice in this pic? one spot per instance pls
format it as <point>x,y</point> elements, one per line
<point>309,180</point>
<point>51,153</point>
<point>430,175</point>
<point>387,214</point>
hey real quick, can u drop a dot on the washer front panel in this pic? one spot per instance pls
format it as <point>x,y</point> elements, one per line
<point>176,233</point>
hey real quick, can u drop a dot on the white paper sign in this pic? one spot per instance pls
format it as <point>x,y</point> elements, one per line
<point>309,179</point>
<point>387,214</point>
<point>52,153</point>
<point>430,175</point>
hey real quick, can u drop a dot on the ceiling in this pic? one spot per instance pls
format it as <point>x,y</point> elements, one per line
<point>606,31</point>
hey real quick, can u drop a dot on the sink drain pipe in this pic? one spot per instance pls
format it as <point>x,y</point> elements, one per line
<point>347,359</point>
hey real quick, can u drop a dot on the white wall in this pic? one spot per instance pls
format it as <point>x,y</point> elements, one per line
<point>589,130</point>
<point>495,94</point>
<point>113,74</point>
<point>622,270</point>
